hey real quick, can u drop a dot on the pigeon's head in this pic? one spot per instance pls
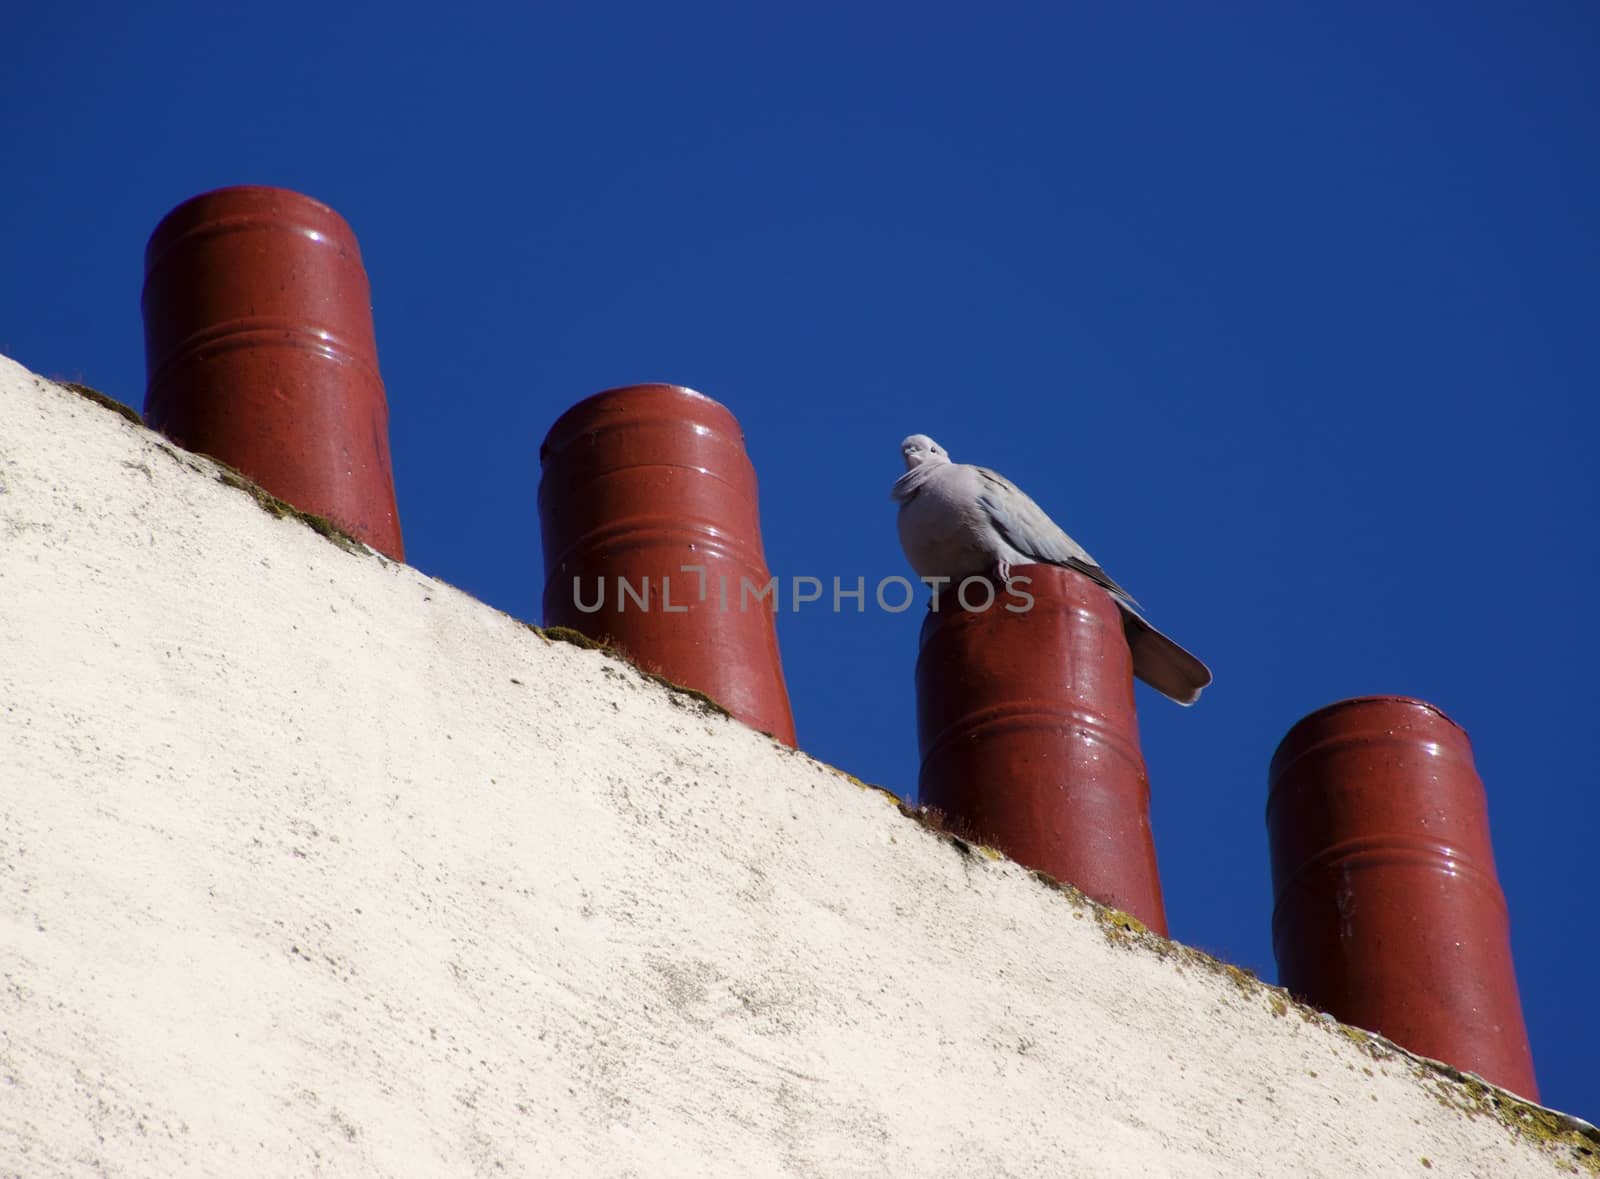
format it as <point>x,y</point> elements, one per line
<point>919,449</point>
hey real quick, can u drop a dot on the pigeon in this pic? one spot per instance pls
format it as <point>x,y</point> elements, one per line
<point>957,520</point>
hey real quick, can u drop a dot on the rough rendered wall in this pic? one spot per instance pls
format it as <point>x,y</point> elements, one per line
<point>312,865</point>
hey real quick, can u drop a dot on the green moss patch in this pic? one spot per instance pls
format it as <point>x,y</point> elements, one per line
<point>273,506</point>
<point>102,399</point>
<point>681,695</point>
<point>565,634</point>
<point>1575,1141</point>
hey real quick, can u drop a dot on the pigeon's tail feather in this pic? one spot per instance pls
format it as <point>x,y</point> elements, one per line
<point>1161,663</point>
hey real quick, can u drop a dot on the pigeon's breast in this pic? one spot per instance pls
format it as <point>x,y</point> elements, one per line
<point>941,541</point>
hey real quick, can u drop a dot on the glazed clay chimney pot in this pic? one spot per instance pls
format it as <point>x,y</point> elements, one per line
<point>1389,912</point>
<point>259,351</point>
<point>1029,738</point>
<point>637,484</point>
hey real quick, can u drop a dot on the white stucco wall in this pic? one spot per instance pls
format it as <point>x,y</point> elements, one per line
<point>310,864</point>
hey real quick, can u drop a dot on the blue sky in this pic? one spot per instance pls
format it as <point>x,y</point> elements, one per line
<point>1286,312</point>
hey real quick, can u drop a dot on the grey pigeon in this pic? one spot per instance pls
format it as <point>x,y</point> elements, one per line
<point>957,520</point>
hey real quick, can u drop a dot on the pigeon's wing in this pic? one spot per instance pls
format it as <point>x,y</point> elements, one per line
<point>1025,527</point>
